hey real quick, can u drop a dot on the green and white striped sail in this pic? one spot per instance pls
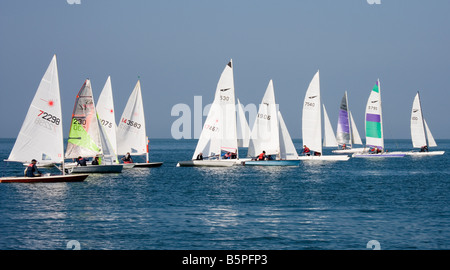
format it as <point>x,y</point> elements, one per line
<point>374,119</point>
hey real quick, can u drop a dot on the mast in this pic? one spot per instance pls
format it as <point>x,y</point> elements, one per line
<point>381,115</point>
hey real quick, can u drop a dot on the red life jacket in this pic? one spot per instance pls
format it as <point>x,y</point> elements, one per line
<point>306,150</point>
<point>261,156</point>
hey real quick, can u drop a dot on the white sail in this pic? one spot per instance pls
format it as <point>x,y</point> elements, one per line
<point>356,139</point>
<point>265,134</point>
<point>84,136</point>
<point>431,141</point>
<point>329,139</point>
<point>131,131</point>
<point>219,131</point>
<point>107,121</point>
<point>311,117</point>
<point>417,124</point>
<point>343,130</point>
<point>41,135</point>
<point>243,131</point>
<point>287,148</point>
<point>374,119</point>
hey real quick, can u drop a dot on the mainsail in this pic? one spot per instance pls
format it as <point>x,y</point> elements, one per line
<point>265,133</point>
<point>41,135</point>
<point>311,117</point>
<point>84,136</point>
<point>420,133</point>
<point>107,122</point>
<point>374,119</point>
<point>219,131</point>
<point>131,132</point>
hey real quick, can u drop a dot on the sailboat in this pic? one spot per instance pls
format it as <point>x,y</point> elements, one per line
<point>374,127</point>
<point>420,133</point>
<point>347,134</point>
<point>87,138</point>
<point>131,132</point>
<point>219,132</point>
<point>312,123</point>
<point>269,134</point>
<point>41,135</point>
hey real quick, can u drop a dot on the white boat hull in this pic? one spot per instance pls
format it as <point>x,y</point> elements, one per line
<point>115,168</point>
<point>379,155</point>
<point>430,153</point>
<point>147,165</point>
<point>334,157</point>
<point>207,163</point>
<point>45,179</point>
<point>350,151</point>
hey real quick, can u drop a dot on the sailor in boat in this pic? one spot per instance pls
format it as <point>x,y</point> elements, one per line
<point>199,156</point>
<point>81,161</point>
<point>95,161</point>
<point>31,169</point>
<point>424,148</point>
<point>306,151</point>
<point>127,158</point>
<point>344,146</point>
<point>262,156</point>
<point>374,150</point>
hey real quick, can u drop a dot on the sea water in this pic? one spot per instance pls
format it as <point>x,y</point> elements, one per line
<point>400,203</point>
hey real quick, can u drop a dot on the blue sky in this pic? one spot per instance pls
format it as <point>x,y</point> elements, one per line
<point>179,49</point>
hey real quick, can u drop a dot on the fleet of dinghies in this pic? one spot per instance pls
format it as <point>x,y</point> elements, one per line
<point>95,134</point>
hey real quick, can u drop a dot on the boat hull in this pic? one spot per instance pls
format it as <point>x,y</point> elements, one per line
<point>207,163</point>
<point>380,155</point>
<point>117,168</point>
<point>271,163</point>
<point>325,158</point>
<point>147,165</point>
<point>349,151</point>
<point>45,179</point>
<point>422,154</point>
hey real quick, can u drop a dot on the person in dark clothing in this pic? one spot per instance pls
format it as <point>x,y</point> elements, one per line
<point>81,161</point>
<point>95,161</point>
<point>200,156</point>
<point>31,169</point>
<point>127,158</point>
